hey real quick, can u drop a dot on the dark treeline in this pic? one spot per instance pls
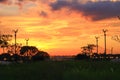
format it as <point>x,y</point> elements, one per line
<point>95,56</point>
<point>26,54</point>
<point>88,54</point>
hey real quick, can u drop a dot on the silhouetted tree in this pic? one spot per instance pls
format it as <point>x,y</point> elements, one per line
<point>82,57</point>
<point>28,50</point>
<point>5,57</point>
<point>3,44</point>
<point>88,50</point>
<point>91,47</point>
<point>41,55</point>
<point>16,57</point>
<point>11,48</point>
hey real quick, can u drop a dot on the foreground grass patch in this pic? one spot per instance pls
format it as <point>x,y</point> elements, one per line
<point>63,70</point>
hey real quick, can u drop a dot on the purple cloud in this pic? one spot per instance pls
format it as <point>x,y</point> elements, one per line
<point>95,10</point>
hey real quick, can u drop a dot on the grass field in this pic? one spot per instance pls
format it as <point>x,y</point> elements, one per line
<point>61,70</point>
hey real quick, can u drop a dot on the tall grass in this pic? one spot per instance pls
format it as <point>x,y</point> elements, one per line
<point>61,70</point>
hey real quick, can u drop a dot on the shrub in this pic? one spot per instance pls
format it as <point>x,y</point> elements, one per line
<point>82,56</point>
<point>5,57</point>
<point>41,55</point>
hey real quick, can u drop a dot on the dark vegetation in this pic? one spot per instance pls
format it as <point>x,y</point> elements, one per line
<point>18,53</point>
<point>61,70</point>
<point>88,54</point>
<point>82,57</point>
<point>27,54</point>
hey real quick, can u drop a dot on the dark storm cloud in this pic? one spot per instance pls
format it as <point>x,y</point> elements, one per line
<point>95,10</point>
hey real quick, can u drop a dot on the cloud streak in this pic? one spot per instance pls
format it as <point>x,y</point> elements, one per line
<point>94,10</point>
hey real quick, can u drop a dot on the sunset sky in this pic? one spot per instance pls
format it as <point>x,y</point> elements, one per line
<point>61,27</point>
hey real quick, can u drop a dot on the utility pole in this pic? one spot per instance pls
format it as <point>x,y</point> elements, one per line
<point>96,43</point>
<point>27,42</point>
<point>15,34</point>
<point>104,31</point>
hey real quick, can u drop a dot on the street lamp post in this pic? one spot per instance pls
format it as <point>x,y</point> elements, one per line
<point>104,31</point>
<point>96,44</point>
<point>27,42</point>
<point>15,34</point>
